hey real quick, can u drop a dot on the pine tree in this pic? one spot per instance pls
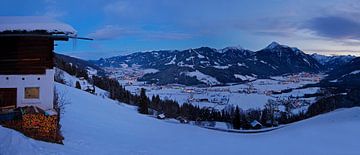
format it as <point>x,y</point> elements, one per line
<point>77,85</point>
<point>143,105</point>
<point>271,107</point>
<point>236,119</point>
<point>264,117</point>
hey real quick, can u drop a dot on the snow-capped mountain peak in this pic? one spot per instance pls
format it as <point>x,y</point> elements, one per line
<point>333,61</point>
<point>221,64</point>
<point>273,45</point>
<point>320,58</point>
<point>238,47</point>
<point>297,51</point>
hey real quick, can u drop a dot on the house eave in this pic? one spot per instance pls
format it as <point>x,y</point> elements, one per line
<point>57,37</point>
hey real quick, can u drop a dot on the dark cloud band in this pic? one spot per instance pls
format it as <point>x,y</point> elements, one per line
<point>334,27</point>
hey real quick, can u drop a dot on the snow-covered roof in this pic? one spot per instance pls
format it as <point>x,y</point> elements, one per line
<point>254,123</point>
<point>161,116</point>
<point>35,23</point>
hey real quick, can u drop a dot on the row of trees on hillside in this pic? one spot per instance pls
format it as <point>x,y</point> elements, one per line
<point>269,116</point>
<point>72,69</point>
<point>334,98</point>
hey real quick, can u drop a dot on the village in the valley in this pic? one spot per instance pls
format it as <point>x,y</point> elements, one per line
<point>253,94</point>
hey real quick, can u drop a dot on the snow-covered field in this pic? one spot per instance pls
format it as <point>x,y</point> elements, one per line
<point>203,77</point>
<point>95,125</point>
<point>251,95</point>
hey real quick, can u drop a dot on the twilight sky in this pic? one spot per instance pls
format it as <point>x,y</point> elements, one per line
<point>125,26</point>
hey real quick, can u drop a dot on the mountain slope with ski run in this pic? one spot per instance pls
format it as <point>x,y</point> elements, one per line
<point>334,61</point>
<point>348,74</point>
<point>97,125</point>
<point>228,65</point>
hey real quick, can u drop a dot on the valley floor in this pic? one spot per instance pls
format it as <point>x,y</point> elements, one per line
<point>96,125</point>
<point>250,95</point>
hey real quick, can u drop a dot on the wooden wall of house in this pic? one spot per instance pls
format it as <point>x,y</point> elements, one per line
<point>26,55</point>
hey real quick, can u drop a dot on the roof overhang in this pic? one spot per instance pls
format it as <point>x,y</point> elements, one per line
<point>36,26</point>
<point>57,37</point>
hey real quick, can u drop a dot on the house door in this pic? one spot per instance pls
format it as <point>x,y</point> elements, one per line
<point>7,98</point>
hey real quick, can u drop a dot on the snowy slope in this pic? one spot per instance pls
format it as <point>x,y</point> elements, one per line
<point>243,100</point>
<point>332,62</point>
<point>94,125</point>
<point>71,81</point>
<point>203,77</point>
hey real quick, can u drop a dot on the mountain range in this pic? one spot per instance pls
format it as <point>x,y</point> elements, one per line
<point>347,75</point>
<point>211,66</point>
<point>332,62</point>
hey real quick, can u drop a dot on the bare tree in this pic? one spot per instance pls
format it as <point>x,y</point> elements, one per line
<point>272,108</point>
<point>59,102</point>
<point>59,76</point>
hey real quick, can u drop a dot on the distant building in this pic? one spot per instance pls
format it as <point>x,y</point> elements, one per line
<point>161,116</point>
<point>182,120</point>
<point>256,125</point>
<point>27,60</point>
<point>203,100</point>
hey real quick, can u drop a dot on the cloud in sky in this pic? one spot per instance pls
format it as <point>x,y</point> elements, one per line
<point>133,25</point>
<point>167,35</point>
<point>109,32</point>
<point>298,23</point>
<point>112,32</point>
<point>51,9</point>
<point>335,27</point>
<point>118,7</point>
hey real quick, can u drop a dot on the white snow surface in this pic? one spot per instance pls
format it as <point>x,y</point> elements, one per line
<point>34,23</point>
<point>241,64</point>
<point>273,45</point>
<point>71,81</point>
<point>222,67</point>
<point>150,70</point>
<point>355,72</point>
<point>203,77</point>
<point>96,125</point>
<point>236,98</point>
<point>244,77</point>
<point>172,61</point>
<point>238,47</point>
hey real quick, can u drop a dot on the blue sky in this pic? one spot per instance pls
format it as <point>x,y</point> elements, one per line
<point>125,26</point>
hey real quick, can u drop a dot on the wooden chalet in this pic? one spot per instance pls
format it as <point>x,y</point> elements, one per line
<point>27,60</point>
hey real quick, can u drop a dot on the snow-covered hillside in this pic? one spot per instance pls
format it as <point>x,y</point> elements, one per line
<point>203,77</point>
<point>332,62</point>
<point>95,125</point>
